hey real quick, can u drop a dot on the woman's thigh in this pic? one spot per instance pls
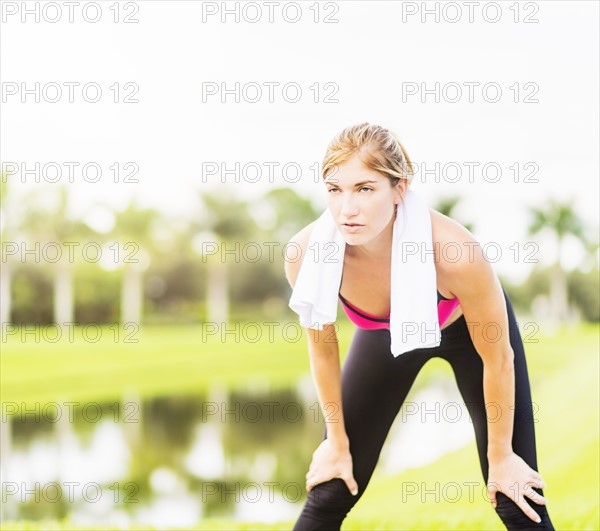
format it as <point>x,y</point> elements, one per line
<point>374,387</point>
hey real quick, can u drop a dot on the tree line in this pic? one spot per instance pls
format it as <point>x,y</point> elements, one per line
<point>223,263</point>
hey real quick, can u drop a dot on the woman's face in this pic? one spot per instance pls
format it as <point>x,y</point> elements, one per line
<point>361,197</point>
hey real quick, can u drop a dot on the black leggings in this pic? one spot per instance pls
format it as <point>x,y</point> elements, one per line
<point>374,387</point>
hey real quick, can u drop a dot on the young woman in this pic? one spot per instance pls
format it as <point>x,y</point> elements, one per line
<point>372,175</point>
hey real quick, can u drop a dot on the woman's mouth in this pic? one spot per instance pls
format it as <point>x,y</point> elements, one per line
<point>352,227</point>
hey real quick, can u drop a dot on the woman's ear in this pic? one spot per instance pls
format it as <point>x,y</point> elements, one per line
<point>402,189</point>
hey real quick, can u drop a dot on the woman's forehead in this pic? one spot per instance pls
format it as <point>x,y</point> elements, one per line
<point>352,172</point>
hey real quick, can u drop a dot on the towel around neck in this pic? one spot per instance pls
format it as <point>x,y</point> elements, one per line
<point>413,292</point>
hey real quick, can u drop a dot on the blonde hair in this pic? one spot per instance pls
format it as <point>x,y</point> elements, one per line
<point>379,149</point>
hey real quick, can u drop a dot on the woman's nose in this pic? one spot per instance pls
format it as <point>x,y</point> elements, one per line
<point>349,207</point>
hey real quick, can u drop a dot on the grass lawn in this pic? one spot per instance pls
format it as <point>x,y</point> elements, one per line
<point>564,372</point>
<point>163,360</point>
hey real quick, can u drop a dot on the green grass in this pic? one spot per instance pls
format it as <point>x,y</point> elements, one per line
<point>165,359</point>
<point>563,371</point>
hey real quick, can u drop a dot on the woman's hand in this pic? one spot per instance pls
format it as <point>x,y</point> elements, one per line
<point>331,461</point>
<point>514,478</point>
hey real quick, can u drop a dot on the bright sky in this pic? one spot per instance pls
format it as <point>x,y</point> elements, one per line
<point>374,61</point>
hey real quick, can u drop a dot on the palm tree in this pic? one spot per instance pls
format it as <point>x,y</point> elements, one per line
<point>561,220</point>
<point>134,231</point>
<point>224,225</point>
<point>52,228</point>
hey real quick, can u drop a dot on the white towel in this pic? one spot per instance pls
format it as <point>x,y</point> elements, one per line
<point>413,291</point>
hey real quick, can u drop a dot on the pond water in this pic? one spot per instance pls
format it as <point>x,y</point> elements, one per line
<point>172,461</point>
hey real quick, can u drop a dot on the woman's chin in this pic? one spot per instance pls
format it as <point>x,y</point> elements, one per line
<point>355,239</point>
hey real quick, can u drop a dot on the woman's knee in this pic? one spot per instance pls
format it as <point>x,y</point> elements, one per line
<point>513,516</point>
<point>331,498</point>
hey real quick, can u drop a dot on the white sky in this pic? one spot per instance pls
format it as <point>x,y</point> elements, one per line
<point>370,54</point>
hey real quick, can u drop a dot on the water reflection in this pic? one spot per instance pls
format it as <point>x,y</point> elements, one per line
<point>167,461</point>
<point>172,461</point>
<point>433,421</point>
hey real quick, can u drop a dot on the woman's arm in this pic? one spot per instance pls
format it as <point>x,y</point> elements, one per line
<point>326,372</point>
<point>332,458</point>
<point>324,356</point>
<point>473,280</point>
<point>482,302</point>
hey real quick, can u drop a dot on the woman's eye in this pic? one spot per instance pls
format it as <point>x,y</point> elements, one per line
<point>363,188</point>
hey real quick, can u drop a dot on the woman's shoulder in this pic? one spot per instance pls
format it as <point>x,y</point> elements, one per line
<point>458,255</point>
<point>296,250</point>
<point>453,243</point>
<point>446,230</point>
<point>464,271</point>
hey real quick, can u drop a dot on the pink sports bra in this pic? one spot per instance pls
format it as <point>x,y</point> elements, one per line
<point>370,322</point>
